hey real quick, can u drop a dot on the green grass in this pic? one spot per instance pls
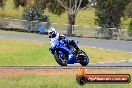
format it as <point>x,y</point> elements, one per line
<point>84,17</point>
<point>58,80</point>
<point>126,22</point>
<point>10,12</point>
<point>103,55</point>
<point>51,81</point>
<point>26,52</point>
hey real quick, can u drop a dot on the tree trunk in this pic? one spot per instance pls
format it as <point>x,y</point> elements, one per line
<point>71,22</point>
<point>69,30</point>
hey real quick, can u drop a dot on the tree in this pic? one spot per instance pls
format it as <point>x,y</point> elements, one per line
<point>58,7</point>
<point>33,12</point>
<point>17,3</point>
<point>2,3</point>
<point>34,16</point>
<point>109,12</point>
<point>23,3</point>
<point>72,7</point>
<point>128,10</point>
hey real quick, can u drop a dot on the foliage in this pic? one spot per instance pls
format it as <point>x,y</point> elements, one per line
<point>60,6</point>
<point>128,10</point>
<point>130,28</point>
<point>35,14</point>
<point>109,12</point>
<point>130,25</point>
<point>2,3</point>
<point>84,3</point>
<point>108,33</point>
<point>22,3</point>
<point>51,5</point>
<point>57,7</point>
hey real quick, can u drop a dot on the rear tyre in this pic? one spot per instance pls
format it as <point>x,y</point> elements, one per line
<point>60,58</point>
<point>84,60</point>
<point>83,63</point>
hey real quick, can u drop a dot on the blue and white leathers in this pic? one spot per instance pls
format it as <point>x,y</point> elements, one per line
<point>59,44</point>
<point>64,53</point>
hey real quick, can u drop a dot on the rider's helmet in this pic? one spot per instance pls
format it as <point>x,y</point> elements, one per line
<point>52,32</point>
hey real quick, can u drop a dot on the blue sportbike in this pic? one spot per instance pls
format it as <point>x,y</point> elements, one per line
<point>66,54</point>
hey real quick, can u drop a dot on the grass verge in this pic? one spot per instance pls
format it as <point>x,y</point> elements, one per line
<point>54,81</point>
<point>26,52</point>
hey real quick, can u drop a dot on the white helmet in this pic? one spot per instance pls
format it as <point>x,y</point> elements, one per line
<point>52,32</point>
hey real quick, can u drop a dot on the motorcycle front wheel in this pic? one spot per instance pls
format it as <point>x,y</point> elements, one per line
<point>60,58</point>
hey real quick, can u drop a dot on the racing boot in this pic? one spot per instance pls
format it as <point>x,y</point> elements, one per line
<point>75,46</point>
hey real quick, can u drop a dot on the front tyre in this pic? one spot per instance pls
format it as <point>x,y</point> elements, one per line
<point>60,58</point>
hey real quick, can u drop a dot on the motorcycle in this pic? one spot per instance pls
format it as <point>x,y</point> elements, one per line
<point>65,54</point>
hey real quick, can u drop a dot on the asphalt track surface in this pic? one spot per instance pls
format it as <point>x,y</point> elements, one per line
<point>63,67</point>
<point>107,65</point>
<point>97,43</point>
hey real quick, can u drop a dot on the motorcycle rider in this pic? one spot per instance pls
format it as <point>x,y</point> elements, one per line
<point>53,35</point>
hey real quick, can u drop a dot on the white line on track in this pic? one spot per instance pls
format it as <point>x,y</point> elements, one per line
<point>104,48</point>
<point>130,60</point>
<point>100,48</point>
<point>93,47</point>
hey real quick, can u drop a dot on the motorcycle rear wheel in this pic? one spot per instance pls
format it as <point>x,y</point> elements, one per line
<point>84,60</point>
